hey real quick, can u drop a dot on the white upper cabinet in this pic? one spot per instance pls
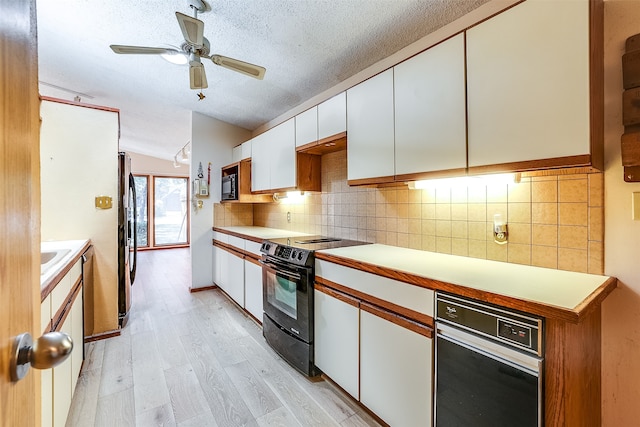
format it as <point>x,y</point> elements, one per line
<point>236,153</point>
<point>370,128</point>
<point>528,84</point>
<point>307,127</point>
<point>260,163</point>
<point>430,113</point>
<point>245,150</point>
<point>332,116</point>
<point>282,152</point>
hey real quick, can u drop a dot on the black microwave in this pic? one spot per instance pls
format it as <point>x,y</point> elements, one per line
<point>229,187</point>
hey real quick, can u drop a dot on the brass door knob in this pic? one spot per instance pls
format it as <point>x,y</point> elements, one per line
<point>48,351</point>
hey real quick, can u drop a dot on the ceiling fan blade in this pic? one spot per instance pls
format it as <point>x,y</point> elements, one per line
<point>192,29</point>
<point>255,71</point>
<point>197,77</point>
<point>140,50</point>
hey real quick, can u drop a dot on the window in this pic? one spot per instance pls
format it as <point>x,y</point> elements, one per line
<point>142,209</point>
<point>162,211</point>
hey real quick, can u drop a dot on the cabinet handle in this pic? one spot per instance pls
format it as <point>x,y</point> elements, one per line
<point>48,351</point>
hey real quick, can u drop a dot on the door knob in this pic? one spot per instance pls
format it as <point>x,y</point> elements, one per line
<point>48,351</point>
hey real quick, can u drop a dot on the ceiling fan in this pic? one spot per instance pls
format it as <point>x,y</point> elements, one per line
<point>194,47</point>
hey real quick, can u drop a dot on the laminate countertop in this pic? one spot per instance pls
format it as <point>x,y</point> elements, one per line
<point>68,252</point>
<point>548,292</point>
<point>258,233</point>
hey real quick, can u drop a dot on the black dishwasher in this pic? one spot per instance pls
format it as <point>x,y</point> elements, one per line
<point>488,365</point>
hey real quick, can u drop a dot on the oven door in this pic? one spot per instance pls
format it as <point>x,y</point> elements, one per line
<point>287,297</point>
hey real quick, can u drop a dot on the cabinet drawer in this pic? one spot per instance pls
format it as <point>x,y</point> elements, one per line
<point>253,247</point>
<point>236,242</point>
<point>221,237</point>
<point>399,293</point>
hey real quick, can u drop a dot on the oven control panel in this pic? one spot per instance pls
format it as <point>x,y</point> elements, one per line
<point>285,253</point>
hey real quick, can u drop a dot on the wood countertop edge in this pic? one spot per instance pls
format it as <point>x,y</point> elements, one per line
<point>50,284</point>
<point>240,235</point>
<point>574,315</point>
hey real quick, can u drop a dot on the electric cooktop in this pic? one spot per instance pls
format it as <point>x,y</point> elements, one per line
<point>299,250</point>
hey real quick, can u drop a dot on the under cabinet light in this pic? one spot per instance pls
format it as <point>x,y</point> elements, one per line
<point>503,178</point>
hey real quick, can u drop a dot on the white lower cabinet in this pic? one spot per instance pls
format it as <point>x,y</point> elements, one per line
<point>238,274</point>
<point>253,289</point>
<point>336,347</point>
<point>58,384</point>
<point>395,372</point>
<point>63,383</point>
<point>235,278</point>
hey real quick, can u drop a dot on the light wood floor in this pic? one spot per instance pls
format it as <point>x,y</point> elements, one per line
<point>196,360</point>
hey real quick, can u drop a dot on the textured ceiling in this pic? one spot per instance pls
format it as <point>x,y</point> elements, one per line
<point>307,47</point>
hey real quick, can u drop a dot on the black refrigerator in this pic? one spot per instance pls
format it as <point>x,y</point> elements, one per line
<point>127,236</point>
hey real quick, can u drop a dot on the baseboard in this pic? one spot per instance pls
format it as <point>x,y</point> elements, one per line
<point>204,288</point>
<point>102,336</point>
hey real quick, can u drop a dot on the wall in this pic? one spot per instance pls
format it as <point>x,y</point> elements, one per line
<point>621,311</point>
<point>147,165</point>
<point>211,141</point>
<point>69,187</point>
<point>554,221</point>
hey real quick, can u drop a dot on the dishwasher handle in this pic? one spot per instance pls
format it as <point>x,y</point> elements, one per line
<point>501,353</point>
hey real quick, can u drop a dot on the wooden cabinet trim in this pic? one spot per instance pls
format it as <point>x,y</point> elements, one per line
<point>371,181</point>
<point>397,319</point>
<point>355,302</point>
<point>243,170</point>
<point>394,308</point>
<point>430,175</point>
<point>329,144</point>
<point>573,384</point>
<point>248,256</point>
<point>568,315</point>
<point>231,249</point>
<point>63,312</point>
<point>584,160</point>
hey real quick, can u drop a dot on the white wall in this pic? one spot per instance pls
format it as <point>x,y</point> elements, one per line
<point>621,310</point>
<point>211,141</point>
<point>79,161</point>
<point>147,165</point>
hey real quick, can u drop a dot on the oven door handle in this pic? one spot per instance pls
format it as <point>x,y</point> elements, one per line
<point>279,269</point>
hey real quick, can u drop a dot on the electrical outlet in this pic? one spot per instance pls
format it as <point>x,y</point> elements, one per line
<point>288,216</point>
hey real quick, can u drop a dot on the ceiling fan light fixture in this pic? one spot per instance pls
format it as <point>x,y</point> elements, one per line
<point>175,57</point>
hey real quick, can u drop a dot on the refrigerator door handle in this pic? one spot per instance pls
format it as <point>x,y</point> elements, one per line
<point>132,188</point>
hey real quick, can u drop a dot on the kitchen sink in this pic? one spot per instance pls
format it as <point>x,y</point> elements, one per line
<point>50,258</point>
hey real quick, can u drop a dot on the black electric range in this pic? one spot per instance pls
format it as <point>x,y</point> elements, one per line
<point>288,274</point>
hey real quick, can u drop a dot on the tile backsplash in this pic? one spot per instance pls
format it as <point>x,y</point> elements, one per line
<point>553,221</point>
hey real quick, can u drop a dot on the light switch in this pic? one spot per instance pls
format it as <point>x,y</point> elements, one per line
<point>635,206</point>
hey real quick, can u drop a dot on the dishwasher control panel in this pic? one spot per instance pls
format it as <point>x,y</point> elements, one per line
<point>516,329</point>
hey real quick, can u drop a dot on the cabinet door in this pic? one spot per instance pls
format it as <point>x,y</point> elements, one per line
<point>253,289</point>
<point>430,110</point>
<point>260,164</point>
<point>370,128</point>
<point>62,382</point>
<point>235,282</point>
<point>332,116</point>
<point>336,330</point>
<point>396,367</point>
<point>307,127</point>
<point>245,150</point>
<point>528,83</point>
<point>282,153</point>
<point>236,153</point>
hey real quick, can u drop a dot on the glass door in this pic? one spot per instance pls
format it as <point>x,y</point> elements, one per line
<point>170,220</point>
<point>142,210</point>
